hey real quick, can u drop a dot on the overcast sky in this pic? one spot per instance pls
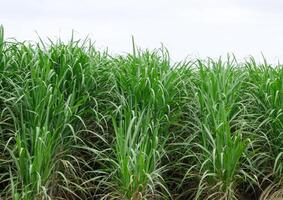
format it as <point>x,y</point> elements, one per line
<point>194,28</point>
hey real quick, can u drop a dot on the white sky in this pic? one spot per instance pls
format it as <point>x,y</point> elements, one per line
<point>194,28</point>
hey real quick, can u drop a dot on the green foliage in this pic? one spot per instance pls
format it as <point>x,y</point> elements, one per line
<point>266,91</point>
<point>76,123</point>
